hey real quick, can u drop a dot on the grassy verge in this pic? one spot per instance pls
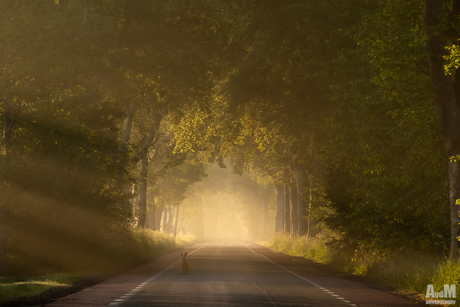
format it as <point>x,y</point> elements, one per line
<point>184,240</point>
<point>142,246</point>
<point>14,287</point>
<point>406,274</point>
<point>149,244</point>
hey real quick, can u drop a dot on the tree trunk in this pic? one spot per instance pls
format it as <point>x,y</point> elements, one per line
<point>176,222</point>
<point>166,218</point>
<point>300,174</point>
<point>143,191</point>
<point>287,211</point>
<point>144,157</point>
<point>262,227</point>
<point>3,238</point>
<point>129,123</point>
<point>130,112</point>
<point>148,141</point>
<point>309,205</point>
<point>151,213</point>
<point>294,202</point>
<point>446,101</point>
<point>454,194</point>
<point>8,123</point>
<point>170,219</point>
<point>279,216</point>
<point>158,214</point>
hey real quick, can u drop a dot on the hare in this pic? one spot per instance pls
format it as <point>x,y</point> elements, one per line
<point>185,267</point>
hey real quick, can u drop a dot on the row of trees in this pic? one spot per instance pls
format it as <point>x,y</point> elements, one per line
<point>112,108</point>
<point>334,103</point>
<point>88,89</point>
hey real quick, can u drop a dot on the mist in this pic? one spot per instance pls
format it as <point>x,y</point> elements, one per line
<point>228,206</point>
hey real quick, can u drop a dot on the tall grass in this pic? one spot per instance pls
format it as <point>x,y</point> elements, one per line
<point>188,239</point>
<point>136,247</point>
<point>313,248</point>
<point>149,244</point>
<point>448,274</point>
<point>15,287</point>
<point>407,274</point>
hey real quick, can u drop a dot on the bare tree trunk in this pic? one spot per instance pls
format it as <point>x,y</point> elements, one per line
<point>262,222</point>
<point>3,238</point>
<point>151,214</point>
<point>309,205</point>
<point>294,202</point>
<point>287,211</point>
<point>146,142</point>
<point>300,174</point>
<point>279,216</point>
<point>143,191</point>
<point>454,195</point>
<point>8,123</point>
<point>170,219</point>
<point>176,221</point>
<point>446,97</point>
<point>131,111</point>
<point>158,215</point>
<point>144,145</point>
<point>166,217</point>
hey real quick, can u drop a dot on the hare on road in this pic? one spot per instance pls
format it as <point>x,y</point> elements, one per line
<point>185,267</point>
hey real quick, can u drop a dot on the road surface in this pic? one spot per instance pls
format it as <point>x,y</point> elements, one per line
<point>239,274</point>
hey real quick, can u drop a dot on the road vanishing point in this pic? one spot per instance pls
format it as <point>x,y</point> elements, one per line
<point>236,274</point>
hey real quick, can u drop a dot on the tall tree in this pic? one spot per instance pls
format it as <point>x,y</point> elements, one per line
<point>441,28</point>
<point>385,157</point>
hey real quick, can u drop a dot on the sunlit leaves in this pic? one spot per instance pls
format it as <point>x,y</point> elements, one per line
<point>452,59</point>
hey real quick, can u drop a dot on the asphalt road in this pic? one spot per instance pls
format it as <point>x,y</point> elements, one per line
<point>239,274</point>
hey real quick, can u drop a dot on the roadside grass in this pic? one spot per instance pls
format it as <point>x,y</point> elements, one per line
<point>405,274</point>
<point>314,249</point>
<point>143,245</point>
<point>184,240</point>
<point>15,287</point>
<point>150,243</point>
<point>447,274</point>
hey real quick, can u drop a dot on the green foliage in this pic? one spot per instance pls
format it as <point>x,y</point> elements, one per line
<point>12,288</point>
<point>67,72</point>
<point>448,274</point>
<point>174,180</point>
<point>386,165</point>
<point>311,248</point>
<point>339,87</point>
<point>452,59</point>
<point>151,243</point>
<point>343,89</point>
<point>11,291</point>
<point>406,273</point>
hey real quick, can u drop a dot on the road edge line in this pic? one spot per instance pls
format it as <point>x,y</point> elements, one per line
<point>305,279</point>
<point>126,296</point>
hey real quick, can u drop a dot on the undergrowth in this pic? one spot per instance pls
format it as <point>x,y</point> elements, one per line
<point>14,287</point>
<point>138,246</point>
<point>405,273</point>
<point>183,240</point>
<point>151,243</point>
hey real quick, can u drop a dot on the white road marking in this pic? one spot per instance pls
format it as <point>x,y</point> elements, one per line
<point>143,284</point>
<point>305,279</point>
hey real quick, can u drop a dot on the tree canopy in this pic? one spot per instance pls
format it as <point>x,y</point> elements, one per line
<point>337,115</point>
